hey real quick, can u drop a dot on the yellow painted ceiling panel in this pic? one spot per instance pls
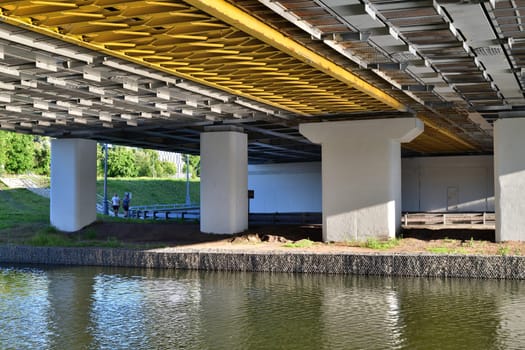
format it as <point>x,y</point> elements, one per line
<point>178,38</point>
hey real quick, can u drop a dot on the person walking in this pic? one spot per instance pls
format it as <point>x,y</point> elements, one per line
<point>125,204</point>
<point>115,202</point>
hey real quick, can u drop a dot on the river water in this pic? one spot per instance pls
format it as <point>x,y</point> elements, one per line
<point>51,307</point>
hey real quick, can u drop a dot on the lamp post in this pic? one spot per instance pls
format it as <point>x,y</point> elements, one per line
<point>188,199</point>
<point>106,209</point>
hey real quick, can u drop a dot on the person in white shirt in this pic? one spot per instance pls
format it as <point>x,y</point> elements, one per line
<point>115,202</point>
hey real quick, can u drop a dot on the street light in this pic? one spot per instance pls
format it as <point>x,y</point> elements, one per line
<point>106,209</point>
<point>188,200</point>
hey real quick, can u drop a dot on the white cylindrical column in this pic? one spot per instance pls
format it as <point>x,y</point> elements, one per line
<point>224,181</point>
<point>509,179</point>
<point>73,184</point>
<point>361,175</point>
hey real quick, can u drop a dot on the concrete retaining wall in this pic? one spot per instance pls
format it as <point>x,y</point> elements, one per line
<point>419,265</point>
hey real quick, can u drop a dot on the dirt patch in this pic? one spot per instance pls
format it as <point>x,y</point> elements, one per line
<point>151,232</point>
<point>189,233</point>
<point>275,237</point>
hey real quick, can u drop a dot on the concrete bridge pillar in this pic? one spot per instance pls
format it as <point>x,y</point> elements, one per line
<point>224,180</point>
<point>73,184</point>
<point>509,179</point>
<point>361,175</point>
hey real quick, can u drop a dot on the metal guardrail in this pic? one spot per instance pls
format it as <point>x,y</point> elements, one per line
<point>100,204</point>
<point>166,211</point>
<point>162,207</point>
<point>448,218</point>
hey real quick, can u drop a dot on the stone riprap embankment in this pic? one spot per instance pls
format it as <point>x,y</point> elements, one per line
<point>420,265</point>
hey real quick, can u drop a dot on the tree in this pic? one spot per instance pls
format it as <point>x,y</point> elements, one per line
<point>146,160</point>
<point>168,168</point>
<point>100,159</point>
<point>132,162</point>
<point>121,162</point>
<point>18,153</point>
<point>42,155</point>
<point>3,146</point>
<point>195,166</point>
<point>195,163</point>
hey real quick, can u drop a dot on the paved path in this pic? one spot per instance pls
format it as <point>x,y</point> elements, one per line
<point>27,183</point>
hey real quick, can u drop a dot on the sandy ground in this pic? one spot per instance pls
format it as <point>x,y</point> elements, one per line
<point>175,236</point>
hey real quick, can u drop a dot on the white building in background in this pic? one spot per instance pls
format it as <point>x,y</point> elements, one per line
<point>175,158</point>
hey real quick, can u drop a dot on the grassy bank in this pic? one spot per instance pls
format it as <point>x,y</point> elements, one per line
<point>148,191</point>
<point>24,216</point>
<point>22,213</point>
<point>24,220</point>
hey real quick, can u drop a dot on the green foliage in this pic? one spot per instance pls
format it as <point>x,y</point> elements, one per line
<point>168,168</point>
<point>147,161</point>
<point>21,153</point>
<point>121,162</point>
<point>195,165</point>
<point>42,156</point>
<point>133,162</point>
<point>3,146</point>
<point>303,243</point>
<point>503,250</point>
<point>374,243</point>
<point>18,156</point>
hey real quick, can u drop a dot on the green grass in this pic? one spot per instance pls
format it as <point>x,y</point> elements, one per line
<point>49,237</point>
<point>106,218</point>
<point>503,250</point>
<point>44,239</point>
<point>22,207</point>
<point>374,243</point>
<point>440,250</point>
<point>24,216</point>
<point>149,191</point>
<point>303,243</point>
<point>446,250</point>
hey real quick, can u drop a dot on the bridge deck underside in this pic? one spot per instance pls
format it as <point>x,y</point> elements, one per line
<point>155,74</point>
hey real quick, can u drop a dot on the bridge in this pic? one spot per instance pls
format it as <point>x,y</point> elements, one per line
<point>269,82</point>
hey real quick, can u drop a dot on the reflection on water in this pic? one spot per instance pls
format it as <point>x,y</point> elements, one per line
<point>109,308</point>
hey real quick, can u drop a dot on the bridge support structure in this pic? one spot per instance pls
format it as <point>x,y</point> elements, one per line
<point>224,180</point>
<point>73,183</point>
<point>509,179</point>
<point>361,175</point>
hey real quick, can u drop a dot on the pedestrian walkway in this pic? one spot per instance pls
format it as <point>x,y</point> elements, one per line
<point>28,183</point>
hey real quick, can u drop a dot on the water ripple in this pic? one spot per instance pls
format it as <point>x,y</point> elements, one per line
<point>97,308</point>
